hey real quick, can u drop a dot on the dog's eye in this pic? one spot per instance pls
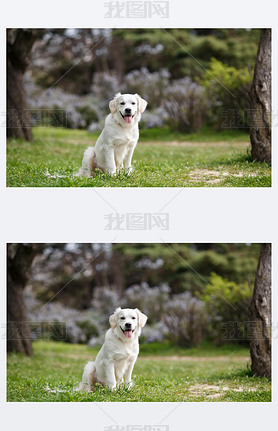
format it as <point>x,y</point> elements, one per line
<point>122,103</point>
<point>133,317</point>
<point>133,103</point>
<point>122,318</point>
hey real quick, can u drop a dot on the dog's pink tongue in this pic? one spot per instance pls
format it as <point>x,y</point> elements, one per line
<point>128,118</point>
<point>128,334</point>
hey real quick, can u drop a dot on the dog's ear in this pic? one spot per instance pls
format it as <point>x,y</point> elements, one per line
<point>113,103</point>
<point>113,318</point>
<point>142,318</point>
<point>142,104</point>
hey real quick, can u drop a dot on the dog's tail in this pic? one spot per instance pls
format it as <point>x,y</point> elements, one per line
<point>88,163</point>
<point>88,378</point>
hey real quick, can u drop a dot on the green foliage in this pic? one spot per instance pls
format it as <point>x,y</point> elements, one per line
<point>228,89</point>
<point>233,293</point>
<point>186,52</point>
<point>228,304</point>
<point>183,377</point>
<point>206,348</point>
<point>208,159</point>
<point>234,262</point>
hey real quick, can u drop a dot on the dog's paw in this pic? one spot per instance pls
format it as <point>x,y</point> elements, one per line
<point>130,385</point>
<point>111,173</point>
<point>112,387</point>
<point>129,170</point>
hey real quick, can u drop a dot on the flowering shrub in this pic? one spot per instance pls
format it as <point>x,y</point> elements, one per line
<point>154,333</point>
<point>57,108</point>
<point>181,103</point>
<point>94,127</point>
<point>58,322</point>
<point>182,317</point>
<point>149,85</point>
<point>186,105</point>
<point>155,118</point>
<point>105,86</point>
<point>74,334</point>
<point>186,320</point>
<point>74,119</point>
<point>104,301</point>
<point>150,300</point>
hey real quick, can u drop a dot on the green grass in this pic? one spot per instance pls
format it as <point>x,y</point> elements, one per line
<point>162,159</point>
<point>206,374</point>
<point>206,135</point>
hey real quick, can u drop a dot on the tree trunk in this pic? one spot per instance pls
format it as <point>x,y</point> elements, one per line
<point>19,261</point>
<point>260,130</point>
<point>260,345</point>
<point>19,56</point>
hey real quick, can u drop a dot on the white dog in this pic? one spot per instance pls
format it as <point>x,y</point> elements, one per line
<point>115,360</point>
<point>116,143</point>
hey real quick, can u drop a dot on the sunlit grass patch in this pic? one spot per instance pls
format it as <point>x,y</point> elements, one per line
<point>55,155</point>
<point>55,370</point>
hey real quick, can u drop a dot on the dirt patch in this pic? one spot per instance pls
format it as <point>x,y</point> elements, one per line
<point>214,391</point>
<point>214,176</point>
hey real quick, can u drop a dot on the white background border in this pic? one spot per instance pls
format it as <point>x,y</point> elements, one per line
<point>77,215</point>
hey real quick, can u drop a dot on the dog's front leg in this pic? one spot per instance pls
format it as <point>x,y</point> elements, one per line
<point>128,373</point>
<point>110,375</point>
<point>128,158</point>
<point>110,165</point>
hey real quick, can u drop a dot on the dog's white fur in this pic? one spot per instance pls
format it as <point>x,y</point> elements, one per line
<point>115,360</point>
<point>116,143</point>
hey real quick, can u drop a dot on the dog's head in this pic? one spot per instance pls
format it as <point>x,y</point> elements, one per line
<point>127,323</point>
<point>127,108</point>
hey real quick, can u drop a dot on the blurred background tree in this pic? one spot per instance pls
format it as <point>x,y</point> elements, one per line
<point>19,261</point>
<point>19,47</point>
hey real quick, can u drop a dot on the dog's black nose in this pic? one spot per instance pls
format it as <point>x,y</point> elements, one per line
<point>128,325</point>
<point>128,110</point>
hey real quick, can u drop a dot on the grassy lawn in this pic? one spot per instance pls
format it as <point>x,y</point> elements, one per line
<point>160,374</point>
<point>161,159</point>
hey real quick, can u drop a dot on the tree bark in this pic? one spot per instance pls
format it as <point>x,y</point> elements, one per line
<point>260,130</point>
<point>19,261</point>
<point>260,345</point>
<point>18,59</point>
